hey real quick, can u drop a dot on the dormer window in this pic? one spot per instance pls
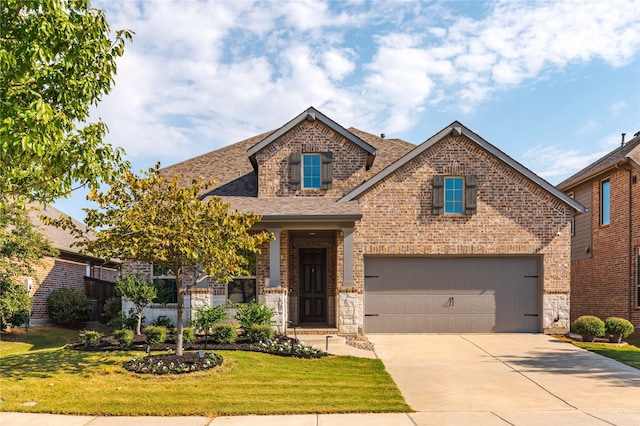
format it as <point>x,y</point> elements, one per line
<point>311,164</point>
<point>311,171</point>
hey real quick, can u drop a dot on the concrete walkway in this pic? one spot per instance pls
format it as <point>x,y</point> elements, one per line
<point>482,380</point>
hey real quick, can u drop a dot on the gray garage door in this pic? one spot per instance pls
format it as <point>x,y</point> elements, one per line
<point>451,295</point>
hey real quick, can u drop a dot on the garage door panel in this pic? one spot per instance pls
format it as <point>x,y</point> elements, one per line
<point>450,295</point>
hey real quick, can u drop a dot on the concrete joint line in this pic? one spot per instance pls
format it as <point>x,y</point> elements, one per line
<point>502,418</point>
<point>413,422</point>
<point>523,375</point>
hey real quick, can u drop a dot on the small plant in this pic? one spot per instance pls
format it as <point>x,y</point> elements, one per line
<point>67,304</point>
<point>253,314</point>
<point>259,333</point>
<point>163,321</point>
<point>224,333</point>
<point>618,327</point>
<point>130,320</point>
<point>137,291</point>
<point>112,313</point>
<point>291,348</point>
<point>208,317</point>
<point>156,365</point>
<point>188,334</point>
<point>123,337</point>
<point>154,334</point>
<point>588,325</point>
<point>89,337</point>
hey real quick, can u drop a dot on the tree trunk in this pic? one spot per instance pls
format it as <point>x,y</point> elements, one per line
<point>181,292</point>
<point>139,324</point>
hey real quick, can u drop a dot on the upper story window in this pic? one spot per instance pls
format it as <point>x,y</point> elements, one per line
<point>311,171</point>
<point>605,202</point>
<point>455,194</point>
<point>572,223</point>
<point>311,164</point>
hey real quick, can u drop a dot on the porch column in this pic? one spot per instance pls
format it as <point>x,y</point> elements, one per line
<point>347,256</point>
<point>274,259</point>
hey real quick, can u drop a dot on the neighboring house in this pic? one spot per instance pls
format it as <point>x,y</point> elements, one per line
<point>69,269</point>
<point>380,235</point>
<point>605,247</point>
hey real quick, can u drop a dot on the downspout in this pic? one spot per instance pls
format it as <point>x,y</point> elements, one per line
<point>630,262</point>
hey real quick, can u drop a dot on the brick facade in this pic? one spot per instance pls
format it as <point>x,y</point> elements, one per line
<point>605,282</point>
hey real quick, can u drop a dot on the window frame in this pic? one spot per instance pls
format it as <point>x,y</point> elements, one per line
<point>461,191</point>
<point>606,206</point>
<point>244,280</point>
<point>163,277</point>
<point>572,222</point>
<point>316,167</point>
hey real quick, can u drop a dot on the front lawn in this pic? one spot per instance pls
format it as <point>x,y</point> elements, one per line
<point>95,383</point>
<point>628,354</point>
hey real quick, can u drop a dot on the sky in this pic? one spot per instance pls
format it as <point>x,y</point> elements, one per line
<point>551,83</point>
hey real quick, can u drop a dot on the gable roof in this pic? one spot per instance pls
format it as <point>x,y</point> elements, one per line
<point>311,114</point>
<point>629,152</point>
<point>459,129</point>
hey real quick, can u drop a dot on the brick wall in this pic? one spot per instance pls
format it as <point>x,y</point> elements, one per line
<point>349,161</point>
<point>514,217</point>
<point>603,283</point>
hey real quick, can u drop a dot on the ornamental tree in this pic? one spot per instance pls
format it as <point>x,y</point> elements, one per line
<point>153,219</point>
<point>57,59</point>
<point>139,292</point>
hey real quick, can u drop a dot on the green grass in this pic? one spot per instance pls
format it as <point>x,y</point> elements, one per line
<point>628,354</point>
<point>73,382</point>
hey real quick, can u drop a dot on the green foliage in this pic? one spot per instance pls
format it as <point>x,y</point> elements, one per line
<point>15,303</point>
<point>89,337</point>
<point>207,317</point>
<point>163,321</point>
<point>138,291</point>
<point>618,326</point>
<point>112,312</point>
<point>188,335</point>
<point>224,333</point>
<point>154,334</point>
<point>123,337</point>
<point>163,221</point>
<point>67,304</point>
<point>130,320</point>
<point>56,61</point>
<point>588,325</point>
<point>259,333</point>
<point>253,314</point>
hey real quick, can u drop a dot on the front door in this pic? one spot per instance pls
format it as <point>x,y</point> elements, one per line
<point>313,285</point>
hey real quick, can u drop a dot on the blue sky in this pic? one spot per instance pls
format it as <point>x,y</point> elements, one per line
<point>552,84</point>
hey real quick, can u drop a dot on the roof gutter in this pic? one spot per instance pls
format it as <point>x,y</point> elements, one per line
<point>593,174</point>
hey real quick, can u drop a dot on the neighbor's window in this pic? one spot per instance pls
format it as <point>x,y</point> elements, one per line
<point>605,202</point>
<point>572,222</point>
<point>165,284</point>
<point>453,195</point>
<point>311,164</point>
<point>244,289</point>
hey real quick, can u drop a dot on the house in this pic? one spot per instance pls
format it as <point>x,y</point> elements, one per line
<point>380,235</point>
<point>605,243</point>
<point>87,274</point>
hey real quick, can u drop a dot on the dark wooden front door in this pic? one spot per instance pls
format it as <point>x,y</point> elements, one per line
<point>313,285</point>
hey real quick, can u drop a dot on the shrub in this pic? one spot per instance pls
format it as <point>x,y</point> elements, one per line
<point>155,334</point>
<point>618,326</point>
<point>130,320</point>
<point>253,314</point>
<point>112,313</point>
<point>188,334</point>
<point>15,303</point>
<point>163,321</point>
<point>67,304</point>
<point>224,333</point>
<point>89,337</point>
<point>259,333</point>
<point>123,337</point>
<point>207,317</point>
<point>588,325</point>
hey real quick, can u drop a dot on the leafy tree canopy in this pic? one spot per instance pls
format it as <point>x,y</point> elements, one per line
<point>138,291</point>
<point>56,61</point>
<point>156,220</point>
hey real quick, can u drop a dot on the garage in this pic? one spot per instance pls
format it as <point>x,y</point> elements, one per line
<point>452,294</point>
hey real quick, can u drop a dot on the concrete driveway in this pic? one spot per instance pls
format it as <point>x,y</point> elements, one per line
<point>519,379</point>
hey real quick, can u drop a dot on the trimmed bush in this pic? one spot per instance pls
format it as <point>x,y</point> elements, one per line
<point>89,337</point>
<point>253,314</point>
<point>67,304</point>
<point>163,321</point>
<point>588,325</point>
<point>155,334</point>
<point>259,333</point>
<point>188,334</point>
<point>123,337</point>
<point>618,326</point>
<point>225,333</point>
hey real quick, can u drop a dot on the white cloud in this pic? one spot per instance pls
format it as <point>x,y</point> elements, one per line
<point>616,107</point>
